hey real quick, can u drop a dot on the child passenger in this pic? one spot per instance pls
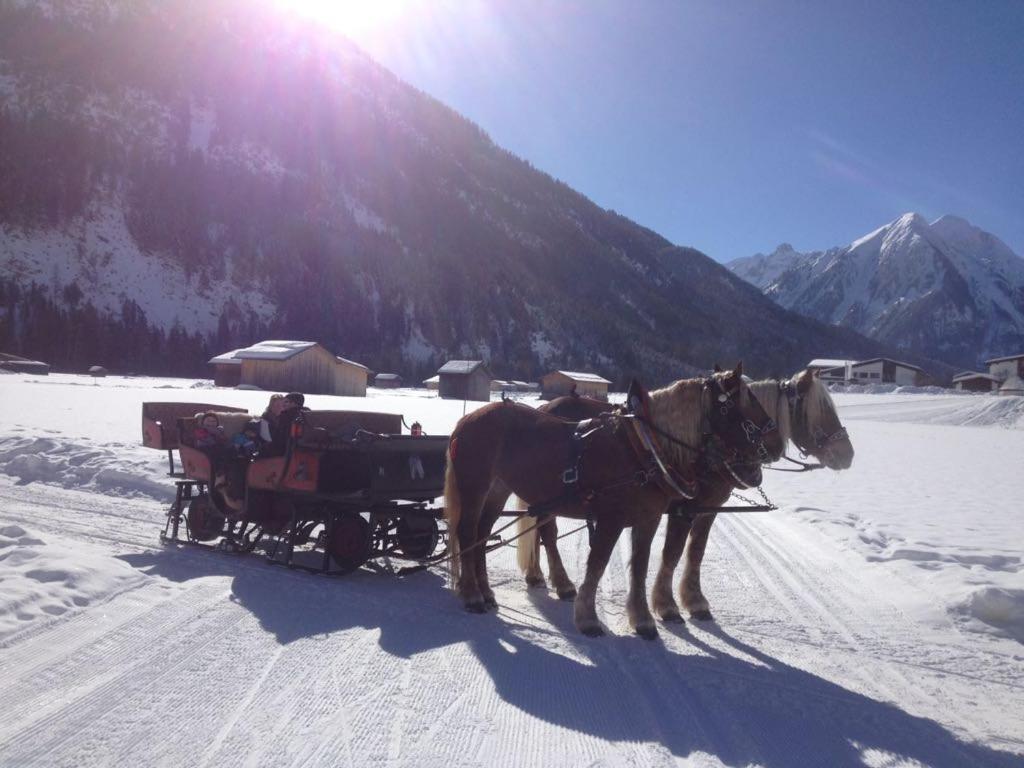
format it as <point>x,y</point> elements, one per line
<point>209,434</point>
<point>247,442</point>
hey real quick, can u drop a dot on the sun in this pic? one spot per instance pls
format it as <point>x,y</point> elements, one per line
<point>352,17</point>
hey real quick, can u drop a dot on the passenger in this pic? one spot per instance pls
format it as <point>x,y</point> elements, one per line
<point>292,408</point>
<point>209,435</point>
<point>247,442</point>
<point>416,430</point>
<point>267,422</point>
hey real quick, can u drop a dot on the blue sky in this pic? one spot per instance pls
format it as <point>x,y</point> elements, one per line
<point>734,126</point>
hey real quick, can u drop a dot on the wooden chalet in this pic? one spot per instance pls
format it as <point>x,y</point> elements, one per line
<point>559,383</point>
<point>972,381</point>
<point>464,380</point>
<point>296,366</point>
<point>227,369</point>
<point>387,381</point>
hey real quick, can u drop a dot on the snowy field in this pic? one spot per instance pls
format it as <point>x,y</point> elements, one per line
<point>876,619</point>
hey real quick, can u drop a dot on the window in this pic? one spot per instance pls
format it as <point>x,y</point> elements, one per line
<point>876,375</point>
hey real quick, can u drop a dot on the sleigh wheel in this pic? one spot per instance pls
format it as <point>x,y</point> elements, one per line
<point>204,521</point>
<point>348,541</point>
<point>417,537</point>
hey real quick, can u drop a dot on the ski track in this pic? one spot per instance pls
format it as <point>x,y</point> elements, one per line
<point>217,660</point>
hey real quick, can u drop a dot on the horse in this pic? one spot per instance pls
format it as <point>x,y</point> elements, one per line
<point>508,447</point>
<point>805,415</point>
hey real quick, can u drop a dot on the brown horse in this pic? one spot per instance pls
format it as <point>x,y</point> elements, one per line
<point>805,415</point>
<point>506,447</point>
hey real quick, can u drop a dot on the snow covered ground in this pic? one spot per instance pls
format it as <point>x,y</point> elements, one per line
<point>876,619</point>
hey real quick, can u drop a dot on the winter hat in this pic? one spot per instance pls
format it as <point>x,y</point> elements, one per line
<point>296,397</point>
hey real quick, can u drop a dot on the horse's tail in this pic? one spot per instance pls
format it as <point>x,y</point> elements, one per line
<point>526,542</point>
<point>452,514</point>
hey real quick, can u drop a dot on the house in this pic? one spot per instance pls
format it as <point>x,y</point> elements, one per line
<point>298,366</point>
<point>387,381</point>
<point>829,369</point>
<point>877,370</point>
<point>559,383</point>
<point>433,382</point>
<point>972,381</point>
<point>227,369</point>
<point>15,364</point>
<point>464,380</point>
<point>1009,372</point>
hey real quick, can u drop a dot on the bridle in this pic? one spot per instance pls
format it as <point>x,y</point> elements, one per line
<point>725,407</point>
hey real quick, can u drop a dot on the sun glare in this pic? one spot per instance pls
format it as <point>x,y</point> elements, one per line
<point>352,17</point>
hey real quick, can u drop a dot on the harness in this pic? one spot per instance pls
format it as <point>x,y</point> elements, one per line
<point>822,440</point>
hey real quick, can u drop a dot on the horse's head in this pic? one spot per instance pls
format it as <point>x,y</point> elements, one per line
<point>741,436</point>
<point>815,425</point>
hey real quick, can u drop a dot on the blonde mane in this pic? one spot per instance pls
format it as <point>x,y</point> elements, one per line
<point>775,403</point>
<point>678,409</point>
<point>817,403</point>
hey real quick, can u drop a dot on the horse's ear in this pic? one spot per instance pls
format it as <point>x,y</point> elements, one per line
<point>717,368</point>
<point>804,381</point>
<point>738,370</point>
<point>637,397</point>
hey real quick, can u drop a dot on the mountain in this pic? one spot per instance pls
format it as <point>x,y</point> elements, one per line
<point>180,177</point>
<point>946,290</point>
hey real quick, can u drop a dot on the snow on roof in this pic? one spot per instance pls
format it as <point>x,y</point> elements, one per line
<point>346,361</point>
<point>580,376</point>
<point>964,376</point>
<point>1004,359</point>
<point>387,377</point>
<point>274,350</point>
<point>462,367</point>
<point>228,358</point>
<point>825,362</point>
<point>432,380</point>
<point>888,360</point>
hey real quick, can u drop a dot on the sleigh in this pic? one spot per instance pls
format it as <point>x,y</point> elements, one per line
<point>349,488</point>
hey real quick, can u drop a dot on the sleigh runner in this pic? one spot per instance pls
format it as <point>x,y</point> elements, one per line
<point>350,487</point>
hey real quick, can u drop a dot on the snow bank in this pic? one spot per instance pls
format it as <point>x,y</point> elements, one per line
<point>44,579</point>
<point>996,609</point>
<point>910,405</point>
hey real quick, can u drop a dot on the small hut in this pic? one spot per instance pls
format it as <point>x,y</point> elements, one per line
<point>15,364</point>
<point>464,380</point>
<point>227,369</point>
<point>387,381</point>
<point>559,383</point>
<point>972,381</point>
<point>300,366</point>
<point>433,382</point>
<point>1009,371</point>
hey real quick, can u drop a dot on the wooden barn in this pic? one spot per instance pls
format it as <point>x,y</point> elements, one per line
<point>299,366</point>
<point>433,382</point>
<point>464,380</point>
<point>227,369</point>
<point>16,364</point>
<point>387,381</point>
<point>972,381</point>
<point>877,370</point>
<point>1009,372</point>
<point>559,383</point>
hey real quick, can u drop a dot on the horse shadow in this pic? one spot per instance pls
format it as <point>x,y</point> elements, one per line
<point>739,704</point>
<point>293,604</point>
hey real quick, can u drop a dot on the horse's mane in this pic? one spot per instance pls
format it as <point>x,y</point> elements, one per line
<point>678,409</point>
<point>775,403</point>
<point>817,404</point>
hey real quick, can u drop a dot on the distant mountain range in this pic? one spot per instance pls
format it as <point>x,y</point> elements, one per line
<point>946,290</point>
<point>181,177</point>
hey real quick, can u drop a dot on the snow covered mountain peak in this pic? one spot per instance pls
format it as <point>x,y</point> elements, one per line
<point>947,289</point>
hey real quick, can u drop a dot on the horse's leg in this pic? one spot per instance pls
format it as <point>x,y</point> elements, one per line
<point>489,514</point>
<point>556,570</point>
<point>606,533</point>
<point>689,591</point>
<point>471,501</point>
<point>675,541</point>
<point>639,613</point>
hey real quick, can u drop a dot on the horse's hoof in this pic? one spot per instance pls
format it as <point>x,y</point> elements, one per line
<point>592,630</point>
<point>476,607</point>
<point>647,631</point>
<point>702,615</point>
<point>672,616</point>
<point>536,582</point>
<point>567,594</point>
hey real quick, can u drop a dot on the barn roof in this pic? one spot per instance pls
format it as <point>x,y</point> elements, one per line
<point>228,358</point>
<point>387,377</point>
<point>581,377</point>
<point>966,375</point>
<point>826,362</point>
<point>460,367</point>
<point>888,360</point>
<point>274,350</point>
<point>1004,359</point>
